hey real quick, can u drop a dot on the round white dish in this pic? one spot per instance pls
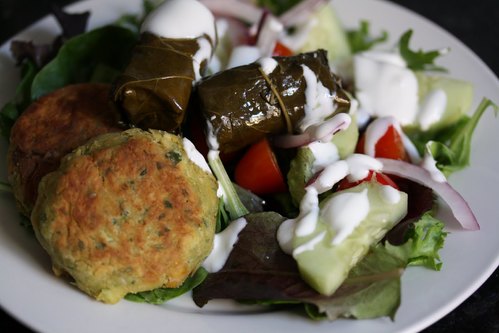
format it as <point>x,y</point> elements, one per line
<point>30,292</point>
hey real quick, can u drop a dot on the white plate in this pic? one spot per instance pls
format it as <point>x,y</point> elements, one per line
<point>30,292</point>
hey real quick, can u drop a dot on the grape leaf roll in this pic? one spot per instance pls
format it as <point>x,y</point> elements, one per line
<point>176,43</point>
<point>271,96</point>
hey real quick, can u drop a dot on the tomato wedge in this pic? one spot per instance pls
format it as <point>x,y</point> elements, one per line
<point>372,176</point>
<point>390,145</point>
<point>281,50</point>
<point>258,170</point>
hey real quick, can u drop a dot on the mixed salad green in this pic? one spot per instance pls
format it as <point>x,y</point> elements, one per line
<point>257,270</point>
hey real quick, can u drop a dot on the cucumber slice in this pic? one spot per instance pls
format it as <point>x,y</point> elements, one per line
<point>459,96</point>
<point>327,33</point>
<point>326,265</point>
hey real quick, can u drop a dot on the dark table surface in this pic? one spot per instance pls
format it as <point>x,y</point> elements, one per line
<point>473,22</point>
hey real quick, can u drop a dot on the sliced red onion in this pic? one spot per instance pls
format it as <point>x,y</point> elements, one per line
<point>270,28</point>
<point>300,13</point>
<point>323,131</point>
<point>459,207</point>
<point>244,11</point>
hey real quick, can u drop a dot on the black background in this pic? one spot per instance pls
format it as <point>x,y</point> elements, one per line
<point>476,23</point>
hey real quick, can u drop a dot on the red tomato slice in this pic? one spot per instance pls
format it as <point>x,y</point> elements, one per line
<point>281,50</point>
<point>258,170</point>
<point>372,176</point>
<point>390,145</point>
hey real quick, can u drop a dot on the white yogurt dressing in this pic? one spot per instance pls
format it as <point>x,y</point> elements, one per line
<point>268,64</point>
<point>386,87</point>
<point>203,54</point>
<point>195,156</point>
<point>179,19</point>
<point>184,19</point>
<point>378,127</point>
<point>222,245</point>
<point>432,108</point>
<point>319,102</point>
<point>389,194</point>
<point>325,153</point>
<point>243,55</point>
<point>344,212</point>
<point>430,165</point>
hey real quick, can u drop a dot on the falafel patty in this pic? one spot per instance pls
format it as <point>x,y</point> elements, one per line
<point>127,212</point>
<point>50,128</point>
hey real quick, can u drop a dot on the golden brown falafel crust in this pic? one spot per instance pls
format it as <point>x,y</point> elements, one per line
<point>50,128</point>
<point>127,212</point>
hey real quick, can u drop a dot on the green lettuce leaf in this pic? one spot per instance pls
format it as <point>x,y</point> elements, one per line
<point>371,290</point>
<point>85,58</point>
<point>424,239</point>
<point>162,295</point>
<point>22,98</point>
<point>257,271</point>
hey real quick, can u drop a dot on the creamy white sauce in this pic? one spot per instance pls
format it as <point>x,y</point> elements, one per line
<point>180,19</point>
<point>309,246</point>
<point>325,153</point>
<point>390,194</point>
<point>385,86</point>
<point>410,149</point>
<point>432,108</point>
<point>268,64</point>
<point>378,127</point>
<point>211,137</point>
<point>306,222</point>
<point>243,55</point>
<point>331,174</point>
<point>202,55</point>
<point>344,212</point>
<point>195,156</point>
<point>359,166</point>
<point>285,235</point>
<point>271,29</point>
<point>319,102</point>
<point>375,131</point>
<point>223,244</point>
<point>221,192</point>
<point>430,165</point>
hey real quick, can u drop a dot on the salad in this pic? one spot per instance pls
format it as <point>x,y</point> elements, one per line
<point>363,153</point>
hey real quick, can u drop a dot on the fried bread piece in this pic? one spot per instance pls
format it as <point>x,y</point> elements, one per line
<point>128,212</point>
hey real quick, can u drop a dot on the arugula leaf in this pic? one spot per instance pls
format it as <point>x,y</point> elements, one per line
<point>277,7</point>
<point>451,146</point>
<point>424,239</point>
<point>361,40</point>
<point>162,295</point>
<point>418,60</point>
